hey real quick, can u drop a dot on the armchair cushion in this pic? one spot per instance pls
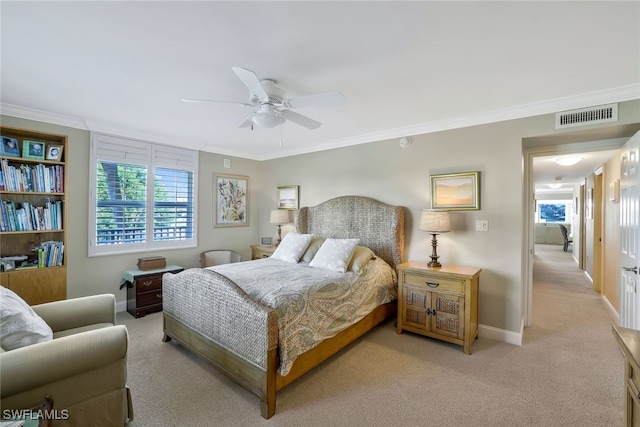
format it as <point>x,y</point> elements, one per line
<point>20,326</point>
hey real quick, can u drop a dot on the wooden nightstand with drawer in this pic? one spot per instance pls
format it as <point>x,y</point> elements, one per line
<point>439,302</point>
<point>260,251</point>
<point>144,289</point>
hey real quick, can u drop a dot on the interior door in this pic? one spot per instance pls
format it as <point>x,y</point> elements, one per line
<point>630,234</point>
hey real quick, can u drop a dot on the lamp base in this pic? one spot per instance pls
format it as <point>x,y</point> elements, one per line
<point>279,235</point>
<point>434,263</point>
<point>434,254</point>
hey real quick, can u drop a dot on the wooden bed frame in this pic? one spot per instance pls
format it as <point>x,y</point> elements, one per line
<point>377,225</point>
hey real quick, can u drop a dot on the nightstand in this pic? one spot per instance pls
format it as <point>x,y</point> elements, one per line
<point>144,289</point>
<point>439,302</point>
<point>259,251</point>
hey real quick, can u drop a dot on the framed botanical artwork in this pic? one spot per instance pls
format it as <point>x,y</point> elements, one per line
<point>33,150</point>
<point>54,152</point>
<point>455,191</point>
<point>287,197</point>
<point>231,199</point>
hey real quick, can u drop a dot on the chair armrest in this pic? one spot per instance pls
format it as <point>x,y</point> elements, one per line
<point>78,312</point>
<point>35,365</point>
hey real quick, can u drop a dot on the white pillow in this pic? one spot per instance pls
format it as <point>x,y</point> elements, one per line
<point>292,247</point>
<point>334,254</point>
<point>20,326</point>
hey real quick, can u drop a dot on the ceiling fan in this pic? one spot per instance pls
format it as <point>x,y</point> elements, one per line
<point>273,107</point>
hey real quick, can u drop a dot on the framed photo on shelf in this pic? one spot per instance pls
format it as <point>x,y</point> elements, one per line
<point>287,197</point>
<point>10,147</point>
<point>33,150</point>
<point>54,152</point>
<point>231,200</point>
<point>455,191</point>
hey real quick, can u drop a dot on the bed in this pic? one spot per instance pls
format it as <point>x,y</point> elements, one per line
<point>207,312</point>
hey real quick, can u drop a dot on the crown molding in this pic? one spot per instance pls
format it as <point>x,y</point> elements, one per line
<point>589,99</point>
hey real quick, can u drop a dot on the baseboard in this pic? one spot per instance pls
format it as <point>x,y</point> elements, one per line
<point>501,335</point>
<point>612,311</point>
<point>121,306</point>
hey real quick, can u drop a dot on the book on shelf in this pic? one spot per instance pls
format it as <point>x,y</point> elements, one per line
<point>26,217</point>
<point>32,178</point>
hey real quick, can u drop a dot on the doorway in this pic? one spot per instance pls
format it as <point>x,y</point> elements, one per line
<point>611,138</point>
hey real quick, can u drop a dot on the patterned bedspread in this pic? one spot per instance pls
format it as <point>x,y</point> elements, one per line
<point>312,304</point>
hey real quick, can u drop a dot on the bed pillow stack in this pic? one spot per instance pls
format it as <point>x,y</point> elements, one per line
<point>339,255</point>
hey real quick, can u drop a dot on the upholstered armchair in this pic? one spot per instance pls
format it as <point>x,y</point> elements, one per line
<point>83,368</point>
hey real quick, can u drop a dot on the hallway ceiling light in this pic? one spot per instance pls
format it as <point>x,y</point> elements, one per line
<point>568,160</point>
<point>555,185</point>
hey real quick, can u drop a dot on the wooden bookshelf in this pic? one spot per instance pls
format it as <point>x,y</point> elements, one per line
<point>47,280</point>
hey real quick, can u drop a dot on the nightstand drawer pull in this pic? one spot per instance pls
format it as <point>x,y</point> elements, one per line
<point>159,296</point>
<point>432,284</point>
<point>147,283</point>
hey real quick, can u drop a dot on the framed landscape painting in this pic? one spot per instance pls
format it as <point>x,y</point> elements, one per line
<point>231,200</point>
<point>455,191</point>
<point>288,197</point>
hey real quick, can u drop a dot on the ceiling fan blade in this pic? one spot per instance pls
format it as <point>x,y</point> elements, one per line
<point>247,123</point>
<point>251,81</point>
<point>318,100</point>
<point>301,120</point>
<point>213,101</point>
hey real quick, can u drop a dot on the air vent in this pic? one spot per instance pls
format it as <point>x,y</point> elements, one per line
<point>587,116</point>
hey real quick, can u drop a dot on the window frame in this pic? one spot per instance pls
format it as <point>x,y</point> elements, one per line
<point>152,156</point>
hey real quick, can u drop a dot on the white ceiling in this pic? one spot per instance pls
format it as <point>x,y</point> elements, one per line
<point>547,171</point>
<point>405,68</point>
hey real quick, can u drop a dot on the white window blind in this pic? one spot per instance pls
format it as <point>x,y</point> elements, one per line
<point>142,196</point>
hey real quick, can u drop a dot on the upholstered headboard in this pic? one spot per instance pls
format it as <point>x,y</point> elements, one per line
<point>379,226</point>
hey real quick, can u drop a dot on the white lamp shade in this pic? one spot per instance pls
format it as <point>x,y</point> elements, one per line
<point>279,216</point>
<point>435,221</point>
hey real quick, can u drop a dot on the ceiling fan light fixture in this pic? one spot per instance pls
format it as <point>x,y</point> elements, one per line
<point>568,160</point>
<point>267,117</point>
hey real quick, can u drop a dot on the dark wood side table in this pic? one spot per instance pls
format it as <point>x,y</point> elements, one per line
<point>144,289</point>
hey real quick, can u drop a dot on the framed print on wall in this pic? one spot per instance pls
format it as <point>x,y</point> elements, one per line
<point>231,200</point>
<point>287,197</point>
<point>455,191</point>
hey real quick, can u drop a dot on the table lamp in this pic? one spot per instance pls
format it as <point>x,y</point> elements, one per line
<point>279,217</point>
<point>434,223</point>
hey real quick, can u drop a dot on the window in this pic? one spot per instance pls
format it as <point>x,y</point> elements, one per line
<point>554,211</point>
<point>142,196</point>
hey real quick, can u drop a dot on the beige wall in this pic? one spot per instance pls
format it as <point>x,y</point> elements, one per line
<point>381,170</point>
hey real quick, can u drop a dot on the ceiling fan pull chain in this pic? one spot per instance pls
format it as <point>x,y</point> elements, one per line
<point>281,134</point>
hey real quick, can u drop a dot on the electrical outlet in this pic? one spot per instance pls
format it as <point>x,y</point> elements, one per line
<point>482,225</point>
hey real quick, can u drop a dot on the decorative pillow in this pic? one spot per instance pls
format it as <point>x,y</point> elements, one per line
<point>334,254</point>
<point>360,258</point>
<point>292,247</point>
<point>20,326</point>
<point>312,249</point>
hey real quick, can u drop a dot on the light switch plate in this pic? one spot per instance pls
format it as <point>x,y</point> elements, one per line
<point>482,225</point>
